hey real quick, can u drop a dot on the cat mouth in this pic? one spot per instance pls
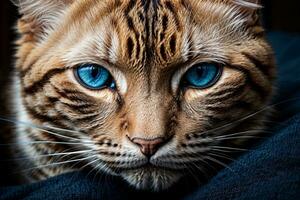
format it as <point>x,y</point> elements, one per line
<point>148,165</point>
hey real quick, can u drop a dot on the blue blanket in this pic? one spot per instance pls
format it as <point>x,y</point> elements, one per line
<point>270,171</point>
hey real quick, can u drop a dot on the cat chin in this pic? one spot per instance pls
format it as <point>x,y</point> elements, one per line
<point>150,178</point>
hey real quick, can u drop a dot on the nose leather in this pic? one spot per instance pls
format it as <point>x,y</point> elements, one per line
<point>148,146</point>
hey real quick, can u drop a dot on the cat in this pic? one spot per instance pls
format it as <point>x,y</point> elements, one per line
<point>146,90</point>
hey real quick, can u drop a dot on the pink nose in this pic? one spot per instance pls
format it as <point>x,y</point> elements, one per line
<point>148,146</point>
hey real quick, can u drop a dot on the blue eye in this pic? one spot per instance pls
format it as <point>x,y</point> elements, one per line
<point>94,77</point>
<point>202,75</point>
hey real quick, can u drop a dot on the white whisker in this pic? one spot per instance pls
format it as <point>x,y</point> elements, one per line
<point>239,137</point>
<point>229,148</point>
<point>220,163</point>
<point>46,142</point>
<point>227,158</point>
<point>239,133</point>
<point>51,154</point>
<point>58,163</point>
<point>249,116</point>
<point>27,124</point>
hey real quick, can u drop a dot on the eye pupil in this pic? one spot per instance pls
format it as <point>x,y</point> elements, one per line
<point>202,75</point>
<point>94,72</point>
<point>94,77</point>
<point>199,71</point>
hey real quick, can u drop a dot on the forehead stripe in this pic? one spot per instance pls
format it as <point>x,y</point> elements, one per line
<point>171,8</point>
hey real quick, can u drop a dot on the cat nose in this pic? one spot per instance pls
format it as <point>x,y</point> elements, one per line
<point>148,146</point>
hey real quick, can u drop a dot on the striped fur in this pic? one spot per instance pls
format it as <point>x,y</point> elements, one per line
<point>147,45</point>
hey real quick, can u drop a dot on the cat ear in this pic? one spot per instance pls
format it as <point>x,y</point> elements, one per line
<point>41,8</point>
<point>41,14</point>
<point>249,9</point>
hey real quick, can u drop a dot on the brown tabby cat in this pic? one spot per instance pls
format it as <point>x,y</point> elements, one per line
<point>142,89</point>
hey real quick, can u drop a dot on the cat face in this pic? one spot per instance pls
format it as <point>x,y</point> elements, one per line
<point>145,88</point>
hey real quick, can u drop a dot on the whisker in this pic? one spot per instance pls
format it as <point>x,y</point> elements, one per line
<point>100,167</point>
<point>227,158</point>
<point>221,150</point>
<point>97,153</point>
<point>62,158</point>
<point>56,163</point>
<point>48,155</point>
<point>238,133</point>
<point>273,122</point>
<point>62,129</point>
<point>190,169</point>
<point>221,156</point>
<point>220,163</point>
<point>45,142</point>
<point>205,162</point>
<point>239,137</point>
<point>81,168</point>
<point>27,124</point>
<point>229,148</point>
<point>249,115</point>
<point>89,163</point>
<point>95,168</point>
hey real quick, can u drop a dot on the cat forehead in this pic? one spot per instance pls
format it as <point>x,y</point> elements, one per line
<point>149,32</point>
<point>154,31</point>
<point>131,33</point>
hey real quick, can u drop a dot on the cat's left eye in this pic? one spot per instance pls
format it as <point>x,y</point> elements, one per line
<point>202,75</point>
<point>95,77</point>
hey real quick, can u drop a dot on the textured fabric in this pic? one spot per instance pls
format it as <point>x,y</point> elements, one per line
<point>271,170</point>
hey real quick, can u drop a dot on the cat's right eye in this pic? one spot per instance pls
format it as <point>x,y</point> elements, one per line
<point>95,77</point>
<point>202,75</point>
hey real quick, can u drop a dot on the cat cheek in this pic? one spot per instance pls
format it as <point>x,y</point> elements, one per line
<point>105,95</point>
<point>195,94</point>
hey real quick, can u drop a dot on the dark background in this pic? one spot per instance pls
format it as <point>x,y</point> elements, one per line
<point>279,15</point>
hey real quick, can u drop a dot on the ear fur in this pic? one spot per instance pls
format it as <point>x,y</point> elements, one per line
<point>248,4</point>
<point>249,9</point>
<point>41,15</point>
